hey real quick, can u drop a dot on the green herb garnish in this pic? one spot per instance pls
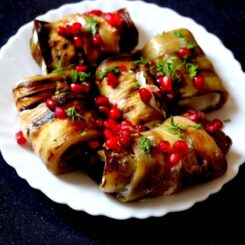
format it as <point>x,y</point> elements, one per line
<point>192,69</point>
<point>84,133</point>
<point>103,73</point>
<point>142,61</point>
<point>176,128</point>
<point>166,68</point>
<point>146,144</point>
<point>73,114</point>
<point>77,76</point>
<point>178,34</point>
<point>227,120</point>
<point>191,45</point>
<point>196,126</point>
<point>59,67</point>
<point>91,25</point>
<point>136,86</point>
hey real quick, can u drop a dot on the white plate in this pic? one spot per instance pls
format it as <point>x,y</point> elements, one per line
<point>76,189</point>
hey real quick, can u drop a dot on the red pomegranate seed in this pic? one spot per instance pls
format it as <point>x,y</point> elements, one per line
<point>102,100</point>
<point>145,95</point>
<point>76,28</point>
<point>78,88</point>
<point>214,125</point>
<point>81,68</point>
<point>198,82</point>
<point>111,124</point>
<point>68,30</point>
<point>124,137</point>
<point>150,63</point>
<point>112,79</point>
<point>108,133</point>
<point>123,68</point>
<point>100,122</point>
<point>170,95</point>
<point>181,147</point>
<point>113,19</point>
<point>20,138</point>
<point>126,125</point>
<point>61,30</point>
<point>165,83</point>
<point>115,113</point>
<point>140,128</point>
<point>112,143</point>
<point>97,39</point>
<point>184,52</point>
<point>51,104</point>
<point>96,12</point>
<point>78,41</point>
<point>164,146</point>
<point>105,110</point>
<point>95,144</point>
<point>60,113</point>
<point>194,115</point>
<point>174,158</point>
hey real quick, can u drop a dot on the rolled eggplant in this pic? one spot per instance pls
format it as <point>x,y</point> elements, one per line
<point>162,161</point>
<point>82,38</point>
<point>121,80</point>
<point>194,82</point>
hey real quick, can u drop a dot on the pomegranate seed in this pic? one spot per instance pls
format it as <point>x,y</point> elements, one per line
<point>174,158</point>
<point>112,79</point>
<point>63,86</point>
<point>181,147</point>
<point>170,95</point>
<point>150,63</point>
<point>214,126</point>
<point>81,68</point>
<point>113,19</point>
<point>61,31</point>
<point>126,125</point>
<point>198,82</point>
<point>96,12</point>
<point>112,143</point>
<point>60,113</point>
<point>140,128</point>
<point>20,138</point>
<point>95,144</point>
<point>115,113</point>
<point>76,28</point>
<point>164,146</point>
<point>78,88</point>
<point>97,39</point>
<point>51,104</point>
<point>124,137</point>
<point>108,133</point>
<point>184,52</point>
<point>145,95</point>
<point>194,115</point>
<point>123,68</point>
<point>78,42</point>
<point>105,110</point>
<point>68,30</point>
<point>165,83</point>
<point>100,122</point>
<point>111,124</point>
<point>102,100</point>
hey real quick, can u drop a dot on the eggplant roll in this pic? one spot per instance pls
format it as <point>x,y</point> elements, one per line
<point>59,135</point>
<point>119,79</point>
<point>147,169</point>
<point>82,38</point>
<point>195,83</point>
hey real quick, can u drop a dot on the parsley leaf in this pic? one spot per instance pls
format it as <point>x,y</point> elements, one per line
<point>59,67</point>
<point>178,34</point>
<point>142,61</point>
<point>227,120</point>
<point>84,133</point>
<point>136,86</point>
<point>77,76</point>
<point>192,69</point>
<point>166,68</point>
<point>196,126</point>
<point>146,144</point>
<point>191,45</point>
<point>91,25</point>
<point>104,72</point>
<point>176,129</point>
<point>73,114</point>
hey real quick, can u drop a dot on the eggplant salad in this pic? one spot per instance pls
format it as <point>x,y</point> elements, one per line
<point>133,120</point>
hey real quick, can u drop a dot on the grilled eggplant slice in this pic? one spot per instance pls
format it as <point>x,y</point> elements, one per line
<point>96,39</point>
<point>125,92</point>
<point>195,83</point>
<point>144,171</point>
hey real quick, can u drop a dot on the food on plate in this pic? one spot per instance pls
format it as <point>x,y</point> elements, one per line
<point>133,120</point>
<point>82,38</point>
<point>184,73</point>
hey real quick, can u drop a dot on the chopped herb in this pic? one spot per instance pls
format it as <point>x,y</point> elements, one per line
<point>137,86</point>
<point>142,61</point>
<point>227,120</point>
<point>191,45</point>
<point>91,25</point>
<point>77,76</point>
<point>73,114</point>
<point>178,34</point>
<point>193,69</point>
<point>176,129</point>
<point>61,87</point>
<point>166,68</point>
<point>84,133</point>
<point>196,126</point>
<point>146,144</point>
<point>103,73</point>
<point>59,67</point>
